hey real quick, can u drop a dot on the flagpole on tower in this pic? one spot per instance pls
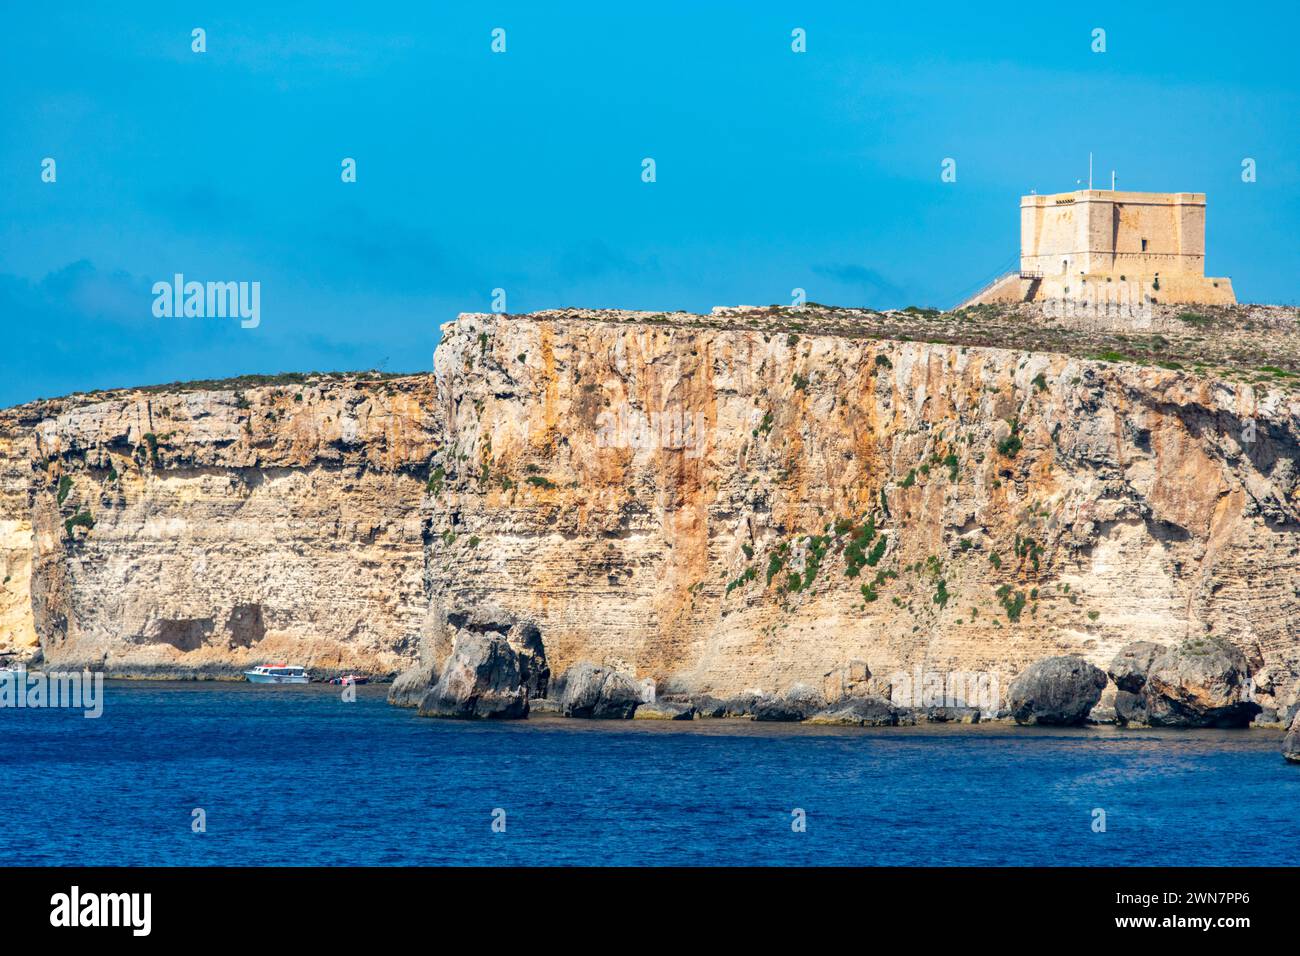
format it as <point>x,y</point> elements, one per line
<point>1090,171</point>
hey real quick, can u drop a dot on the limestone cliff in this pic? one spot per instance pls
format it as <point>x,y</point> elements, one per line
<point>739,501</point>
<point>781,505</point>
<point>17,450</point>
<point>190,533</point>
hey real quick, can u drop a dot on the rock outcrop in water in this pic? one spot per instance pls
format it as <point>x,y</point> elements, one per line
<point>1129,672</point>
<point>1201,683</point>
<point>724,504</point>
<point>796,703</point>
<point>1131,665</point>
<point>482,679</point>
<point>742,705</point>
<point>858,712</point>
<point>664,710</point>
<point>1057,691</point>
<point>1291,743</point>
<point>495,669</point>
<point>410,686</point>
<point>588,690</point>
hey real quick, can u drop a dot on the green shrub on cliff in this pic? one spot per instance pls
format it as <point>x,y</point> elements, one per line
<point>855,551</point>
<point>749,574</point>
<point>65,486</point>
<point>1013,602</point>
<point>776,561</point>
<point>81,519</point>
<point>817,545</point>
<point>1030,549</point>
<point>1010,446</point>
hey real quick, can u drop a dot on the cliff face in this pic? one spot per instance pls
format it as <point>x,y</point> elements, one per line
<point>17,450</point>
<point>193,533</point>
<point>708,506</point>
<point>717,507</point>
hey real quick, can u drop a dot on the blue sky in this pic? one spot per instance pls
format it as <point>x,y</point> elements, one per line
<point>522,170</point>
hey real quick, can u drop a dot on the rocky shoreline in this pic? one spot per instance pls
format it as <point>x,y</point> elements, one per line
<point>498,671</point>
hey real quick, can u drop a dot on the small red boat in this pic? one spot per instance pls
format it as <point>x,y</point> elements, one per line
<point>350,679</point>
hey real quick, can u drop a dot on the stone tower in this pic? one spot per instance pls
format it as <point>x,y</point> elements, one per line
<point>1102,245</point>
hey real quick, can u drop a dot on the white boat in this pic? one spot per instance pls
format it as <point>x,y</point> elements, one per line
<point>277,674</point>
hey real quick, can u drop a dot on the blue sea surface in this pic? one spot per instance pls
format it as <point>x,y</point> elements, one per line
<point>298,776</point>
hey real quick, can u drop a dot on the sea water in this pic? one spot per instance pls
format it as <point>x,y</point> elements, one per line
<point>238,774</point>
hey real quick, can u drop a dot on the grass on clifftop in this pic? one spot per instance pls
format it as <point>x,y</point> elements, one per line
<point>1243,343</point>
<point>237,383</point>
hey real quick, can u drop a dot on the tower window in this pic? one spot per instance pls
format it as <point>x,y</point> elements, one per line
<point>1144,245</point>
